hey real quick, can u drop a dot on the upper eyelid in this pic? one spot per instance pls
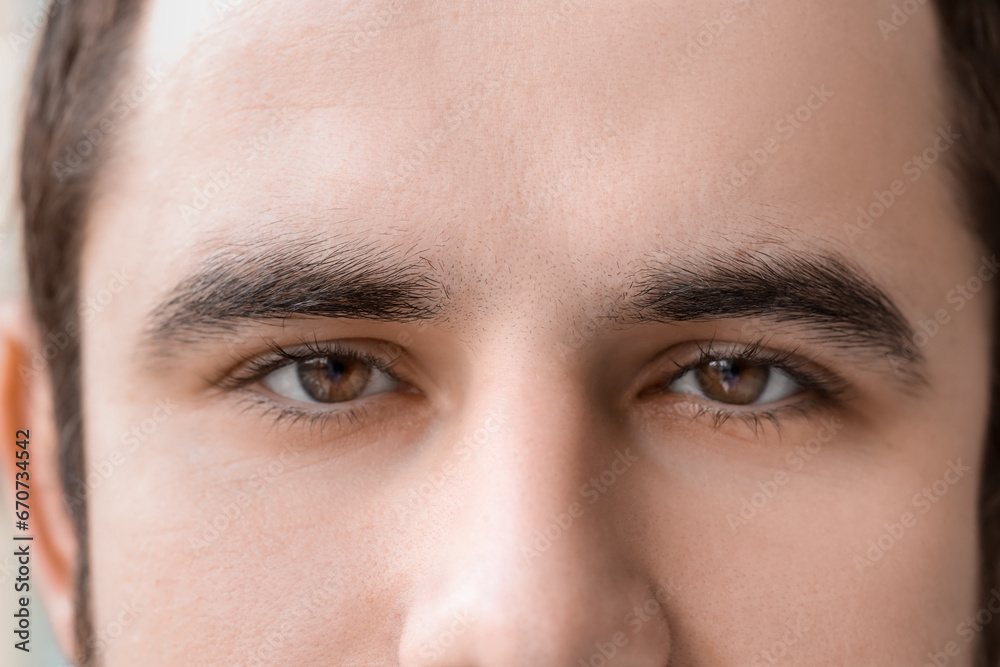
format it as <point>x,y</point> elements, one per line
<point>257,367</point>
<point>754,351</point>
<point>791,361</point>
<point>830,395</point>
<point>794,363</point>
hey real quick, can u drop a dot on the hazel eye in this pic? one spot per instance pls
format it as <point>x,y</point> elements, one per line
<point>328,379</point>
<point>736,382</point>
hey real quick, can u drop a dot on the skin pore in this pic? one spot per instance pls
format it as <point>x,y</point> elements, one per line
<point>545,222</point>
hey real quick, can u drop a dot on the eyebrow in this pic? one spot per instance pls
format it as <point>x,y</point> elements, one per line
<point>830,298</point>
<point>833,300</point>
<point>281,279</point>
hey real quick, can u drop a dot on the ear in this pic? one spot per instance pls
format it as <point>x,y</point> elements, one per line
<point>26,406</point>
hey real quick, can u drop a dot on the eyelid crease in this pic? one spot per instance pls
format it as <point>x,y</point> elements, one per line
<point>256,368</point>
<point>825,383</point>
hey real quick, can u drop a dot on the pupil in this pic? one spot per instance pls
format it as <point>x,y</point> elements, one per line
<point>730,372</point>
<point>333,379</point>
<point>335,369</point>
<point>733,381</point>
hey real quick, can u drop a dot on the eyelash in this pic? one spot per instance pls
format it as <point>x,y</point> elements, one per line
<point>258,368</point>
<point>823,389</point>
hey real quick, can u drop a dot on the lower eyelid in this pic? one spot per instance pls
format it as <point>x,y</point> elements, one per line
<point>747,420</point>
<point>285,415</point>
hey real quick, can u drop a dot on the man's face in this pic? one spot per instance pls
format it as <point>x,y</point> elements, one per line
<point>535,334</point>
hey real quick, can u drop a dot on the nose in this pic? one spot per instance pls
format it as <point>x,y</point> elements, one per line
<point>533,564</point>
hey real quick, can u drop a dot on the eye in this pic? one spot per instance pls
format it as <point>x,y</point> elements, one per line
<point>328,379</point>
<point>736,382</point>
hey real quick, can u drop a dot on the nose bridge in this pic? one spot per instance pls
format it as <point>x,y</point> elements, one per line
<point>530,571</point>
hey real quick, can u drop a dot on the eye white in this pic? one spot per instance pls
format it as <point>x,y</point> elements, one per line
<point>285,382</point>
<point>779,385</point>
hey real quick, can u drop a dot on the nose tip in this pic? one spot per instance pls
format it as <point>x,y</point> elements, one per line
<point>528,555</point>
<point>585,619</point>
<point>543,582</point>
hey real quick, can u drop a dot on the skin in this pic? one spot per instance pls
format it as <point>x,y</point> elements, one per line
<point>637,146</point>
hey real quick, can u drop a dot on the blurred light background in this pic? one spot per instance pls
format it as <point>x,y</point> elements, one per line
<point>20,23</point>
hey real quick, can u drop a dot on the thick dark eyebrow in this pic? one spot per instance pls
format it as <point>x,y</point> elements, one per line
<point>831,299</point>
<point>283,278</point>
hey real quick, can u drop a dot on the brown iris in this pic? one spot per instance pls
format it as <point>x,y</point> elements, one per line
<point>333,379</point>
<point>732,381</point>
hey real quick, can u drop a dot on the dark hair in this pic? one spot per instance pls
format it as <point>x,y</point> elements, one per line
<point>83,57</point>
<point>970,33</point>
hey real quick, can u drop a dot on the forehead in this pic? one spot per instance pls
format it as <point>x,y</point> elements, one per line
<point>523,134</point>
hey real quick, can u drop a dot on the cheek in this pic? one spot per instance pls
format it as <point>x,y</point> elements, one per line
<point>237,542</point>
<point>852,547</point>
